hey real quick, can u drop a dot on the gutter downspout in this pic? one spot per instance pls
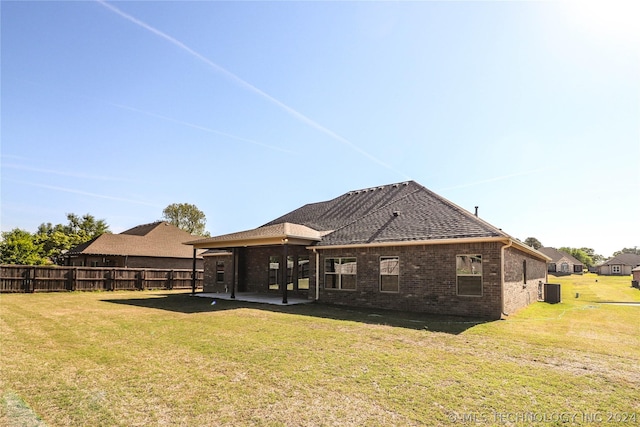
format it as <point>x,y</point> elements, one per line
<point>502,260</point>
<point>317,273</point>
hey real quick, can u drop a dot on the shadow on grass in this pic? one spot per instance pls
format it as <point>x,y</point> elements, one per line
<point>185,303</point>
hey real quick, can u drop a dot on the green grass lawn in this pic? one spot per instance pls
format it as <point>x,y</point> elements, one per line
<point>166,358</point>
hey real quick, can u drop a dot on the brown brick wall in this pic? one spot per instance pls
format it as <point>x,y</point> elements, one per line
<point>210,277</point>
<point>517,293</point>
<point>427,280</point>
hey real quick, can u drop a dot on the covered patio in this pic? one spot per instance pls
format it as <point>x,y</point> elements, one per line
<point>265,262</point>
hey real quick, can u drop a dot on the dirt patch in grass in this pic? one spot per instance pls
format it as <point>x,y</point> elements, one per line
<point>16,413</point>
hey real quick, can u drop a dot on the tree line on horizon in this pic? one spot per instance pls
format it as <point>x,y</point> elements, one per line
<point>50,242</point>
<point>587,256</point>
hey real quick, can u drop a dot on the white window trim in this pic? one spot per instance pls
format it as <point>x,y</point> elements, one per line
<point>469,275</point>
<point>380,274</point>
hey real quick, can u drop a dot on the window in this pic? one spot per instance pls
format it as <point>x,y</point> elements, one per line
<point>469,275</point>
<point>564,267</point>
<point>219,271</point>
<point>340,273</point>
<point>303,272</point>
<point>524,272</point>
<point>615,269</point>
<point>274,267</point>
<point>389,273</point>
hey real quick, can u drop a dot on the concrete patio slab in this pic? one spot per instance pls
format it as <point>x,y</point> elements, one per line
<point>254,297</point>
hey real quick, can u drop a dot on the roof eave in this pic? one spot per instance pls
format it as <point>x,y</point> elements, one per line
<point>450,241</point>
<point>257,241</point>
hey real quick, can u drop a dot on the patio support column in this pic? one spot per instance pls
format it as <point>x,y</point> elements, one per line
<point>285,274</point>
<point>193,273</point>
<point>234,261</point>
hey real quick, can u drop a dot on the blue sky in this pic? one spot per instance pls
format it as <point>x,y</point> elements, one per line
<point>529,110</point>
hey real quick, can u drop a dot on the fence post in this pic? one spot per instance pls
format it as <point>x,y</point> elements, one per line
<point>170,285</point>
<point>32,280</point>
<point>74,279</point>
<point>142,279</point>
<point>113,279</point>
<point>69,284</point>
<point>26,278</point>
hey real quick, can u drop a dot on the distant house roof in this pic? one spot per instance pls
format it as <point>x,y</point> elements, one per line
<point>556,255</point>
<point>402,213</point>
<point>624,259</point>
<point>158,239</point>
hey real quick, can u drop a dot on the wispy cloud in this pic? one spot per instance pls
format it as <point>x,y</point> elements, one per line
<point>202,128</point>
<point>248,86</point>
<point>61,173</point>
<point>86,193</point>
<point>156,115</point>
<point>497,178</point>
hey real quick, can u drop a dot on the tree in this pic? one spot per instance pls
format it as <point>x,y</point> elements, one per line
<point>20,247</point>
<point>533,242</point>
<point>50,242</point>
<point>86,228</point>
<point>578,254</point>
<point>55,240</point>
<point>187,217</point>
<point>635,251</point>
<point>596,258</point>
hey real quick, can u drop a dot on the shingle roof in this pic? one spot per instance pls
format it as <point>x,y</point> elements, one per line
<point>402,213</point>
<point>625,259</point>
<point>557,255</point>
<point>397,212</point>
<point>342,210</point>
<point>158,239</point>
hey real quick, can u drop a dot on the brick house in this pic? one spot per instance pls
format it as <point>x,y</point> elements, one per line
<point>155,245</point>
<point>562,263</point>
<point>397,246</point>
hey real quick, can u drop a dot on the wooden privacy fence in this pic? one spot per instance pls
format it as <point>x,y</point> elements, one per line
<point>21,278</point>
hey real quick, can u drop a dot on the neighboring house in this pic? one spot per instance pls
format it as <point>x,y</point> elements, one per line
<point>155,245</point>
<point>619,265</point>
<point>561,263</point>
<point>396,246</point>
